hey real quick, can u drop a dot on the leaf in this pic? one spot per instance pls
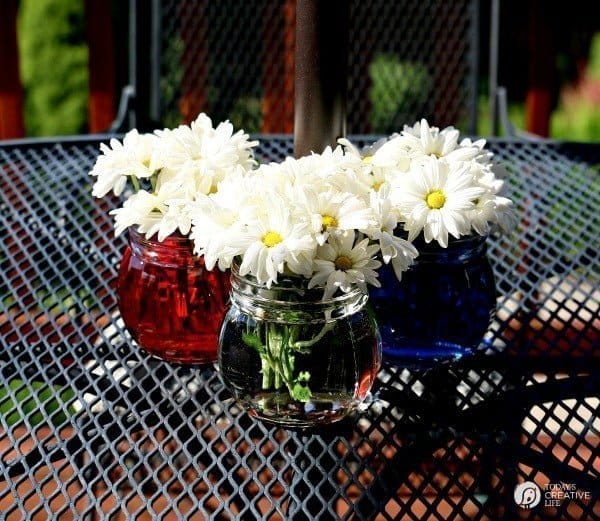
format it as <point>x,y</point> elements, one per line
<point>253,341</point>
<point>301,393</point>
<point>303,376</point>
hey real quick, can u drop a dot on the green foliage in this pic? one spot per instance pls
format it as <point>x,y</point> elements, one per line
<point>516,115</point>
<point>580,122</point>
<point>578,115</point>
<point>28,397</point>
<point>247,114</point>
<point>54,66</point>
<point>170,81</point>
<point>593,65</point>
<point>397,87</point>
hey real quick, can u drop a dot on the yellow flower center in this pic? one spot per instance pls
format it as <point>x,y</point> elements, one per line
<point>328,220</point>
<point>270,239</point>
<point>343,263</point>
<point>435,199</point>
<point>377,185</point>
<point>367,160</point>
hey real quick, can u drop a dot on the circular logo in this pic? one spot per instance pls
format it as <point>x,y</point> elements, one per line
<point>527,495</point>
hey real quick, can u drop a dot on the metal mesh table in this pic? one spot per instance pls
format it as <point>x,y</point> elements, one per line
<point>91,427</point>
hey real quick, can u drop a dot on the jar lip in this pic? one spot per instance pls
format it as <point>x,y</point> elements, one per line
<point>174,238</point>
<point>453,242</point>
<point>302,285</point>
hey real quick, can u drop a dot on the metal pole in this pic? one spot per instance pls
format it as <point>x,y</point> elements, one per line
<point>133,59</point>
<point>321,74</point>
<point>474,65</point>
<point>494,39</point>
<point>155,61</point>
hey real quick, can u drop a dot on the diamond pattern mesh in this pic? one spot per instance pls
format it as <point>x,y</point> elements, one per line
<point>89,426</point>
<point>235,60</point>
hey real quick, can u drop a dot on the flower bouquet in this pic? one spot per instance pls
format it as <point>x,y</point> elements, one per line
<point>170,303</point>
<point>303,238</point>
<point>446,194</point>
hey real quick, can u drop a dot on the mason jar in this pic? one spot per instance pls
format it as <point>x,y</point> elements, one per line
<point>294,359</point>
<point>442,307</point>
<point>170,303</point>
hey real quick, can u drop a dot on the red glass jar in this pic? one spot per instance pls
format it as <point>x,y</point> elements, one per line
<point>171,304</point>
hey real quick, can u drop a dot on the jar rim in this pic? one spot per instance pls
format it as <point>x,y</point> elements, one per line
<point>175,238</point>
<point>297,283</point>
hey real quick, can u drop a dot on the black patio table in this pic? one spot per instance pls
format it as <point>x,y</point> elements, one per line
<point>90,427</point>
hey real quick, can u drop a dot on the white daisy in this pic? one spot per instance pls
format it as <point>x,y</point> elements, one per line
<point>434,198</point>
<point>141,210</point>
<point>213,226</point>
<point>177,218</point>
<point>395,249</point>
<point>341,264</point>
<point>146,210</point>
<point>485,177</point>
<point>219,218</point>
<point>484,156</point>
<point>135,158</point>
<point>440,143</point>
<point>491,210</point>
<point>199,156</point>
<point>273,241</point>
<point>380,162</point>
<point>333,212</point>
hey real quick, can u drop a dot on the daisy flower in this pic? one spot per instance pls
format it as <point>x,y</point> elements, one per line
<point>491,209</point>
<point>146,210</point>
<point>176,218</point>
<point>137,210</point>
<point>485,177</point>
<point>134,159</point>
<point>213,225</point>
<point>273,241</point>
<point>484,156</point>
<point>429,141</point>
<point>218,218</point>
<point>380,162</point>
<point>434,198</point>
<point>199,156</point>
<point>333,212</point>
<point>395,249</point>
<point>341,264</point>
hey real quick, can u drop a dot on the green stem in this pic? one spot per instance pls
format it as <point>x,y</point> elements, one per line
<point>277,356</point>
<point>267,372</point>
<point>135,182</point>
<point>301,344</point>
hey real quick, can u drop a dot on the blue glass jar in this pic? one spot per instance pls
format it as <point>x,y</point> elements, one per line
<point>441,308</point>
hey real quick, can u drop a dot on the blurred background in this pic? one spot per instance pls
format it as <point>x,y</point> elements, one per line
<point>65,64</point>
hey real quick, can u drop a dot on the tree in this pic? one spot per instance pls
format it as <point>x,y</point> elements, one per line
<point>54,65</point>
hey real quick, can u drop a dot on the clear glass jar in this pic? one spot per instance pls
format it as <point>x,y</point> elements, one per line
<point>441,308</point>
<point>291,358</point>
<point>171,304</point>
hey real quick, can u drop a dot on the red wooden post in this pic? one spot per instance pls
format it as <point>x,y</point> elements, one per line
<point>538,100</point>
<point>11,91</point>
<point>99,31</point>
<point>278,68</point>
